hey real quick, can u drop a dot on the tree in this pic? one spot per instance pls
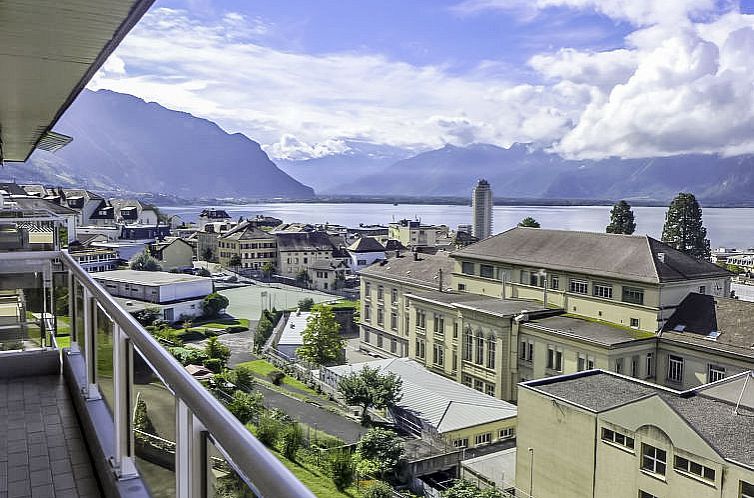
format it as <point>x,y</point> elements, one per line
<point>466,489</point>
<point>306,304</point>
<point>245,405</point>
<point>291,440</point>
<point>341,468</point>
<point>322,344</point>
<point>213,303</point>
<point>142,422</point>
<point>381,450</point>
<point>268,269</point>
<point>267,430</point>
<point>303,277</point>
<point>378,489</point>
<point>144,262</point>
<point>621,219</point>
<point>529,222</point>
<point>369,388</point>
<point>243,377</point>
<point>684,229</point>
<point>263,332</point>
<point>207,254</point>
<point>216,350</point>
<point>235,261</point>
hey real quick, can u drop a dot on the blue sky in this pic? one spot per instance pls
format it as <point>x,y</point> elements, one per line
<point>584,78</point>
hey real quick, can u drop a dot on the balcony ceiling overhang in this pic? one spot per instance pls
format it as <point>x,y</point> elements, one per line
<point>49,50</point>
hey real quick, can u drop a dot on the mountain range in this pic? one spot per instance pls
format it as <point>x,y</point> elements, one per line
<point>122,143</point>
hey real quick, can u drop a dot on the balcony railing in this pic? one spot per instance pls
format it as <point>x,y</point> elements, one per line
<point>204,444</point>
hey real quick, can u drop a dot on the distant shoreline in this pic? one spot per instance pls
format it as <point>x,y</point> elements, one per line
<point>436,201</point>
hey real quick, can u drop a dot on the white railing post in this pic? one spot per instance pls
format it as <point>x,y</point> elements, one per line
<point>190,454</point>
<point>90,341</point>
<point>72,330</point>
<point>123,462</point>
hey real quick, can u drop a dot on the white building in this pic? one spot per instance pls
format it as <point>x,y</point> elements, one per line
<point>365,251</point>
<point>178,295</point>
<point>481,207</point>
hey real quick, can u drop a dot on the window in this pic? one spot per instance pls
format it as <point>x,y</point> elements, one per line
<point>584,362</point>
<point>483,438</point>
<point>602,290</point>
<point>367,313</point>
<point>554,282</point>
<point>479,385</point>
<point>379,340</point>
<point>455,330</point>
<point>468,344</point>
<point>454,366</point>
<point>489,389</point>
<point>535,279</point>
<point>675,368</point>
<point>612,436</point>
<point>393,321</point>
<point>486,271</point>
<point>393,346</point>
<point>394,296</point>
<point>420,351</point>
<point>634,323</point>
<point>579,287</point>
<point>507,433</point>
<point>619,365</point>
<point>438,355</point>
<point>633,295</point>
<point>491,343</point>
<point>466,380</point>
<point>380,316</point>
<point>367,289</point>
<point>691,467</point>
<point>702,289</point>
<point>635,366</point>
<point>467,268</point>
<point>461,443</point>
<point>522,351</point>
<point>653,459</point>
<point>421,319</point>
<point>644,494</point>
<point>650,368</point>
<point>438,323</point>
<point>554,358</point>
<point>715,373</point>
<point>747,490</point>
<point>479,359</point>
<point>380,293</point>
<point>461,287</point>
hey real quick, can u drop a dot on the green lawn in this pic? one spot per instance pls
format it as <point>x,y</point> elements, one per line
<point>345,304</point>
<point>215,323</point>
<point>64,341</point>
<point>314,479</point>
<point>262,368</point>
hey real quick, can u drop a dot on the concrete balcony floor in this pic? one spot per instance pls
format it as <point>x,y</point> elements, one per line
<point>42,453</point>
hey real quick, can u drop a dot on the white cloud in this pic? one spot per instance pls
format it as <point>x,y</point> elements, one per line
<point>675,87</point>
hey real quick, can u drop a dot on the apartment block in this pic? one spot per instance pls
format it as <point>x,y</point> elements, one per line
<point>253,246</point>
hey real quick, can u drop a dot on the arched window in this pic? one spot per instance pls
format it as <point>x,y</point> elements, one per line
<point>479,360</point>
<point>491,344</point>
<point>468,344</point>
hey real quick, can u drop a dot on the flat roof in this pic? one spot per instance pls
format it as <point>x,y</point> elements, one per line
<point>294,327</point>
<point>589,330</point>
<point>148,277</point>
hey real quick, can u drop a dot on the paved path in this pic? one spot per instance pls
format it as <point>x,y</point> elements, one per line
<point>310,414</point>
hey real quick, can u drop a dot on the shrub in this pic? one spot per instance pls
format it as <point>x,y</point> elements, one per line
<point>217,350</point>
<point>276,377</point>
<point>341,469</point>
<point>236,328</point>
<point>306,304</point>
<point>188,356</point>
<point>245,405</point>
<point>214,364</point>
<point>213,303</point>
<point>268,430</point>
<point>291,440</point>
<point>243,377</point>
<point>378,489</point>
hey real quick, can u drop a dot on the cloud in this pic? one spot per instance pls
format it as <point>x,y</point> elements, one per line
<point>637,12</point>
<point>674,87</point>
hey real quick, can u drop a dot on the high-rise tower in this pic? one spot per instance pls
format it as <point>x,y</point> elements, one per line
<point>481,207</point>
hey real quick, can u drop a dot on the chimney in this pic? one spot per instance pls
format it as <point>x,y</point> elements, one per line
<point>416,256</point>
<point>439,278</point>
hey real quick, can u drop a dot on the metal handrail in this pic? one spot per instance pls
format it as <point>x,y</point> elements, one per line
<point>264,473</point>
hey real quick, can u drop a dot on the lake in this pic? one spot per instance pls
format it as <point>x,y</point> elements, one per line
<point>726,227</point>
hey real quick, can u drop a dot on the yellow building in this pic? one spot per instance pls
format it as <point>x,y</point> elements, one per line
<point>414,234</point>
<point>629,280</point>
<point>173,254</point>
<point>298,251</point>
<point>602,434</point>
<point>252,246</point>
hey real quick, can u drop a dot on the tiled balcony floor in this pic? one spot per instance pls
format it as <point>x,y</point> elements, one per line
<point>42,453</point>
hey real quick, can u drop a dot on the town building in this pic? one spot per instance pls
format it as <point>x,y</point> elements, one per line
<point>413,233</point>
<point>132,211</point>
<point>212,216</point>
<point>207,240</point>
<point>328,275</point>
<point>94,259</point>
<point>481,208</point>
<point>630,280</point>
<point>297,251</point>
<point>178,295</point>
<point>254,248</point>
<point>364,251</point>
<point>434,408</point>
<point>173,254</point>
<point>598,433</point>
